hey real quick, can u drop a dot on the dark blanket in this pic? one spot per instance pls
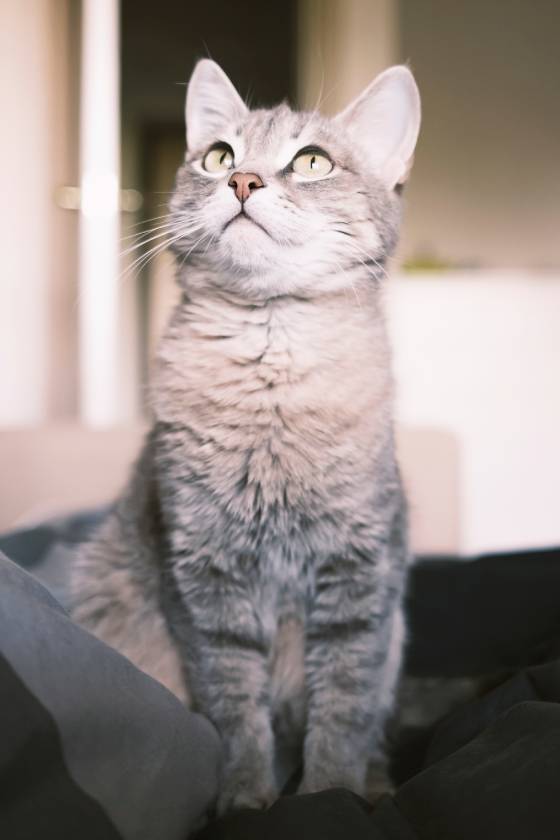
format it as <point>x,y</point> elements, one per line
<point>91,747</point>
<point>492,772</point>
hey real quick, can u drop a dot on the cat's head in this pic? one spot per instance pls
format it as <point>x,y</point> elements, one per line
<point>273,201</point>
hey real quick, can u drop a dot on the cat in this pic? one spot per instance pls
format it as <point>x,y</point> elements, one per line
<point>256,562</point>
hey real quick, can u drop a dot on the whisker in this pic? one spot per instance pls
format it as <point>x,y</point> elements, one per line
<point>375,262</point>
<point>166,232</point>
<point>147,221</point>
<point>358,248</point>
<point>358,301</point>
<point>164,229</point>
<point>378,265</point>
<point>140,262</point>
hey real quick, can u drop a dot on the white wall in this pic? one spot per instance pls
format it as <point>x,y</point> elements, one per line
<point>478,358</point>
<point>25,232</point>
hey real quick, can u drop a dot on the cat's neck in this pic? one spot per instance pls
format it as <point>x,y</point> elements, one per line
<point>285,335</point>
<point>286,319</point>
<point>356,282</point>
<point>222,349</point>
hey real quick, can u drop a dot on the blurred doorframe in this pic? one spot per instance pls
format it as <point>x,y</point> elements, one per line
<point>163,149</point>
<point>51,462</point>
<point>342,46</point>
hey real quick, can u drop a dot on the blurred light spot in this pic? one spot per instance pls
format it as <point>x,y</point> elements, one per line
<point>131,200</point>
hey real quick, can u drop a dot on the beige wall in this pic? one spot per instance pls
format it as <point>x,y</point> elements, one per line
<point>25,177</point>
<point>53,470</point>
<point>37,239</point>
<point>486,183</point>
<point>485,189</point>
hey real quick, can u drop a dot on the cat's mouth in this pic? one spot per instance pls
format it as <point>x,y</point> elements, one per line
<point>244,216</point>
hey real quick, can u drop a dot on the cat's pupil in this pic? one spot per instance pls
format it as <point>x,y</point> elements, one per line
<point>223,157</point>
<point>313,164</point>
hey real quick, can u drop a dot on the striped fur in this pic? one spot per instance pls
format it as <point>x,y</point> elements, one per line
<point>257,560</point>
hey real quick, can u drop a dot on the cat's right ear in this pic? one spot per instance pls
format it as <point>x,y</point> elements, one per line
<point>212,104</point>
<point>384,122</point>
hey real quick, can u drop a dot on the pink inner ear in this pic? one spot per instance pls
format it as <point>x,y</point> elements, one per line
<point>211,101</point>
<point>388,112</point>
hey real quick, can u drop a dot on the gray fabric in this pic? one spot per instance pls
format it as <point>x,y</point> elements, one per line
<point>128,743</point>
<point>48,548</point>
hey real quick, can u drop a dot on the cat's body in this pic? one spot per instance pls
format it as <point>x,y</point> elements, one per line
<point>256,563</point>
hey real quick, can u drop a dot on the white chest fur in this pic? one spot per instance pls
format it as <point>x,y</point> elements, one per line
<point>275,392</point>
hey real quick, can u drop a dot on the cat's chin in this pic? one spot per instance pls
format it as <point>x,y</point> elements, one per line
<point>245,229</point>
<point>247,244</point>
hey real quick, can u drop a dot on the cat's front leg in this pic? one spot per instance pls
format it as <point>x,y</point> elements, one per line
<point>225,649</point>
<point>348,644</point>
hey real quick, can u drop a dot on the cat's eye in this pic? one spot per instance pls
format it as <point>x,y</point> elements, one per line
<point>312,164</point>
<point>219,158</point>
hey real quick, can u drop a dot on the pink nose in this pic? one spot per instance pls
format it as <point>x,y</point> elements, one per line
<point>244,183</point>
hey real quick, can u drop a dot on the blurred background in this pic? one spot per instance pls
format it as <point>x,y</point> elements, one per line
<point>92,133</point>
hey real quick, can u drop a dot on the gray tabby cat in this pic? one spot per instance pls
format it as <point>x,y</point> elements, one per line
<point>256,562</point>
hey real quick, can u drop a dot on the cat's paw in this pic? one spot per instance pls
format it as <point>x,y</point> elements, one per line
<point>237,796</point>
<point>323,778</point>
<point>378,782</point>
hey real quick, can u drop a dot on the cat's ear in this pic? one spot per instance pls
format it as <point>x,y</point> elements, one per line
<point>212,103</point>
<point>384,122</point>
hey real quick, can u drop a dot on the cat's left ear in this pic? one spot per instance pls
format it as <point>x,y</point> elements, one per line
<point>384,122</point>
<point>212,104</point>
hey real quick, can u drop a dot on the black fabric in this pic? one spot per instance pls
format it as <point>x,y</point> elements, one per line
<point>37,793</point>
<point>503,784</point>
<point>473,617</point>
<point>330,815</point>
<point>492,773</point>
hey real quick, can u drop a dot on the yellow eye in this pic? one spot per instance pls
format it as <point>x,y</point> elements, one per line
<point>312,165</point>
<point>218,159</point>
